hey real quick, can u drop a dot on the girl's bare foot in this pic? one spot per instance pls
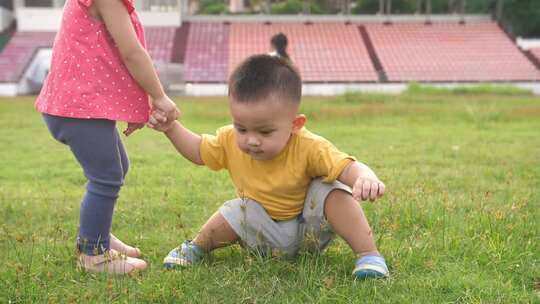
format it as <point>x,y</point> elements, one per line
<point>123,248</point>
<point>111,262</point>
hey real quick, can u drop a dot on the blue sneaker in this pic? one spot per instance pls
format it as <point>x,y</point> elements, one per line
<point>185,255</point>
<point>370,267</point>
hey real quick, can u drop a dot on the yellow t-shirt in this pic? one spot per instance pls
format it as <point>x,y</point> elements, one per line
<point>279,184</point>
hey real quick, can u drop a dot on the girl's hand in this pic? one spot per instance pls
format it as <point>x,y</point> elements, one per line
<point>132,127</point>
<point>167,107</point>
<point>368,188</point>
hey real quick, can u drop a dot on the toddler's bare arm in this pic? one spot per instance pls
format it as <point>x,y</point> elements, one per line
<point>186,142</point>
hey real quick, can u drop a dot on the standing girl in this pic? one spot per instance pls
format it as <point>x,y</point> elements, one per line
<point>101,73</point>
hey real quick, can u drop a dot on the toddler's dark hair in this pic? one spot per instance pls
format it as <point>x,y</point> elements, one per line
<point>279,42</point>
<point>260,76</point>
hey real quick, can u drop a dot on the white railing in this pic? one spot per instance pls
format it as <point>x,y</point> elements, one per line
<point>158,5</point>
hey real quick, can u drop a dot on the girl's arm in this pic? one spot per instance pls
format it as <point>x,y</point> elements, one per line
<point>118,23</point>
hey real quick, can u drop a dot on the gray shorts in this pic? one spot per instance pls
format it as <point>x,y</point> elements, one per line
<point>309,231</point>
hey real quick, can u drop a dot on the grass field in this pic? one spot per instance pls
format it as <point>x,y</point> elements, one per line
<point>459,223</point>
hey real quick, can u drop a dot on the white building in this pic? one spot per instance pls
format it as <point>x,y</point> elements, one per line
<point>45,15</point>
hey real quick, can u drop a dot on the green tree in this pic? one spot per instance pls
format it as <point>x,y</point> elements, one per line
<point>522,17</point>
<point>372,6</point>
<point>366,7</point>
<point>213,7</point>
<point>294,7</point>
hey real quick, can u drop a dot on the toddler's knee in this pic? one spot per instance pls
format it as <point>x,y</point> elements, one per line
<point>338,195</point>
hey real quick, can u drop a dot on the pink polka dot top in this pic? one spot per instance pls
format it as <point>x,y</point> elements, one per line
<point>87,78</point>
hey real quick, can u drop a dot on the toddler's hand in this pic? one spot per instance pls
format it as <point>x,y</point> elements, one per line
<point>132,127</point>
<point>158,121</point>
<point>167,107</point>
<point>368,188</point>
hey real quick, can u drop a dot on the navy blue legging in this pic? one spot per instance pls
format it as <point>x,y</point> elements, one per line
<point>97,147</point>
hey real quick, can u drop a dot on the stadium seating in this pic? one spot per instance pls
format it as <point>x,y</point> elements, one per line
<point>19,51</point>
<point>535,52</point>
<point>207,52</point>
<point>323,52</point>
<point>159,42</point>
<point>180,43</point>
<point>449,52</point>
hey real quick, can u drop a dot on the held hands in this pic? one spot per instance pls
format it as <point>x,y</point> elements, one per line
<point>369,187</point>
<point>166,107</point>
<point>164,113</point>
<point>158,121</point>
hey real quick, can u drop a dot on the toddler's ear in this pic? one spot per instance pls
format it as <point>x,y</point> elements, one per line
<point>298,122</point>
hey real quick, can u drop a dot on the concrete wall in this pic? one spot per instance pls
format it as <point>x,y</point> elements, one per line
<point>7,4</point>
<point>6,17</point>
<point>8,89</point>
<point>308,89</point>
<point>38,19</point>
<point>319,89</point>
<point>528,43</point>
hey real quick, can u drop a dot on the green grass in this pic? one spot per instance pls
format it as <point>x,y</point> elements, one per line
<point>459,223</point>
<point>480,89</point>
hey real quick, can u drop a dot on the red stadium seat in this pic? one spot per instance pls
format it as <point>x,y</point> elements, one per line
<point>326,52</point>
<point>449,52</point>
<point>159,42</point>
<point>535,52</point>
<point>207,53</point>
<point>323,52</point>
<point>19,51</point>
